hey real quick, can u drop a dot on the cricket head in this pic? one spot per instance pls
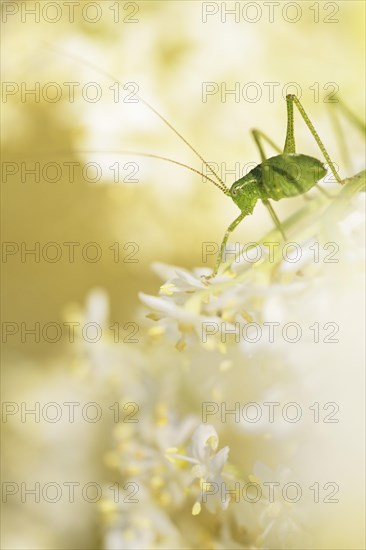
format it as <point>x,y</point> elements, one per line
<point>245,192</point>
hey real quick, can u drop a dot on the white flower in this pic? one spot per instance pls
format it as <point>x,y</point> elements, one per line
<point>207,467</point>
<point>186,314</point>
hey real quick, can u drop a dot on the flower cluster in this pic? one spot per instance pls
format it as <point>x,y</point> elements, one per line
<point>208,473</point>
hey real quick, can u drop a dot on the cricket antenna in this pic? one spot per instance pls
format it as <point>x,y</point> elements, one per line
<point>220,184</point>
<point>150,155</point>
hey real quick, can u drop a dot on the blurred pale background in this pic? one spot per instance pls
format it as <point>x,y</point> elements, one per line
<point>169,52</point>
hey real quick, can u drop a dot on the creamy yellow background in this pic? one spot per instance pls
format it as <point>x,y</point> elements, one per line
<point>169,52</point>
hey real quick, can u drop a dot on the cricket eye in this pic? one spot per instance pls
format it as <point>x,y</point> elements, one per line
<point>234,192</point>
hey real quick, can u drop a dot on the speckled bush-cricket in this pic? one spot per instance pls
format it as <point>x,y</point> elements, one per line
<point>272,179</point>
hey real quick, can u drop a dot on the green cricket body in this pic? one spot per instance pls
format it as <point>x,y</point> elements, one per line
<point>286,175</point>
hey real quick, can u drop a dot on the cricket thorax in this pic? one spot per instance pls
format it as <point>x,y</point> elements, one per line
<point>247,190</point>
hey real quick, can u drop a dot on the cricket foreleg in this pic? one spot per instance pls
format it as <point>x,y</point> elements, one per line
<point>229,230</point>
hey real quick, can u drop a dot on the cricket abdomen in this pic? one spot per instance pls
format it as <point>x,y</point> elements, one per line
<point>289,175</point>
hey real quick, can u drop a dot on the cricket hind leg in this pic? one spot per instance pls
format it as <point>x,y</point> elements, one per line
<point>289,147</point>
<point>258,137</point>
